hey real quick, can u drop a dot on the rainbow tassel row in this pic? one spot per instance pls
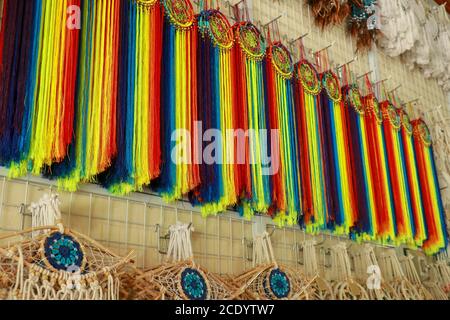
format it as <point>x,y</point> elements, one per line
<point>147,94</point>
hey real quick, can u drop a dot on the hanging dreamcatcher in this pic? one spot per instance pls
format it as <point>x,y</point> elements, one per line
<point>363,188</point>
<point>398,174</point>
<point>337,171</point>
<point>286,205</point>
<point>268,280</point>
<point>179,110</point>
<point>328,13</point>
<point>180,278</point>
<point>379,168</point>
<point>429,185</point>
<point>364,22</point>
<point>252,184</point>
<point>217,190</point>
<point>307,87</point>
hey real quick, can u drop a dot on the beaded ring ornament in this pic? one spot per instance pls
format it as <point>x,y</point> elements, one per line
<point>376,109</point>
<point>308,76</point>
<point>391,114</point>
<point>406,122</point>
<point>180,12</point>
<point>354,100</point>
<point>331,84</point>
<point>277,285</point>
<point>216,25</point>
<point>251,40</point>
<point>421,129</point>
<point>193,284</point>
<point>281,59</point>
<point>62,251</point>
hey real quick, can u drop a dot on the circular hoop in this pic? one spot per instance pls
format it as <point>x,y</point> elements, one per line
<point>308,76</point>
<point>194,285</point>
<point>331,84</point>
<point>218,28</point>
<point>354,100</point>
<point>251,40</point>
<point>424,133</point>
<point>180,12</point>
<point>281,59</point>
<point>277,285</point>
<point>406,122</point>
<point>390,112</point>
<point>62,251</point>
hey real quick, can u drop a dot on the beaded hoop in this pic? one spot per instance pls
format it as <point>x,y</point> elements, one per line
<point>354,100</point>
<point>217,26</point>
<point>424,133</point>
<point>180,12</point>
<point>331,84</point>
<point>147,4</point>
<point>308,76</point>
<point>406,122</point>
<point>193,284</point>
<point>62,251</point>
<point>277,285</point>
<point>377,110</point>
<point>281,59</point>
<point>393,117</point>
<point>251,40</point>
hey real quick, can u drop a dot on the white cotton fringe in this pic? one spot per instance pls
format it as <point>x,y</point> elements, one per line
<point>45,213</point>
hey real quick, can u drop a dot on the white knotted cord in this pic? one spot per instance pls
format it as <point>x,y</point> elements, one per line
<point>180,245</point>
<point>46,213</point>
<point>263,250</point>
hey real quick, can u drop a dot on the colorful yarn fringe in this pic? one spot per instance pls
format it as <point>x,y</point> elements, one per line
<point>399,177</point>
<point>307,87</point>
<point>379,170</point>
<point>138,159</point>
<point>96,102</point>
<point>252,184</point>
<point>413,179</point>
<point>180,171</point>
<point>38,78</point>
<point>217,190</point>
<point>432,202</point>
<point>340,202</point>
<point>362,178</point>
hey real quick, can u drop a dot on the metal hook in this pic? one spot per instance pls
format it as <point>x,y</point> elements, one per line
<point>365,74</point>
<point>355,58</point>
<point>327,47</point>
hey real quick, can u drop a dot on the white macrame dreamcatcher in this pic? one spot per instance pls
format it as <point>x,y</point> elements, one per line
<point>345,287</point>
<point>269,281</point>
<point>320,288</point>
<point>368,274</point>
<point>51,262</point>
<point>392,272</point>
<point>180,278</point>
